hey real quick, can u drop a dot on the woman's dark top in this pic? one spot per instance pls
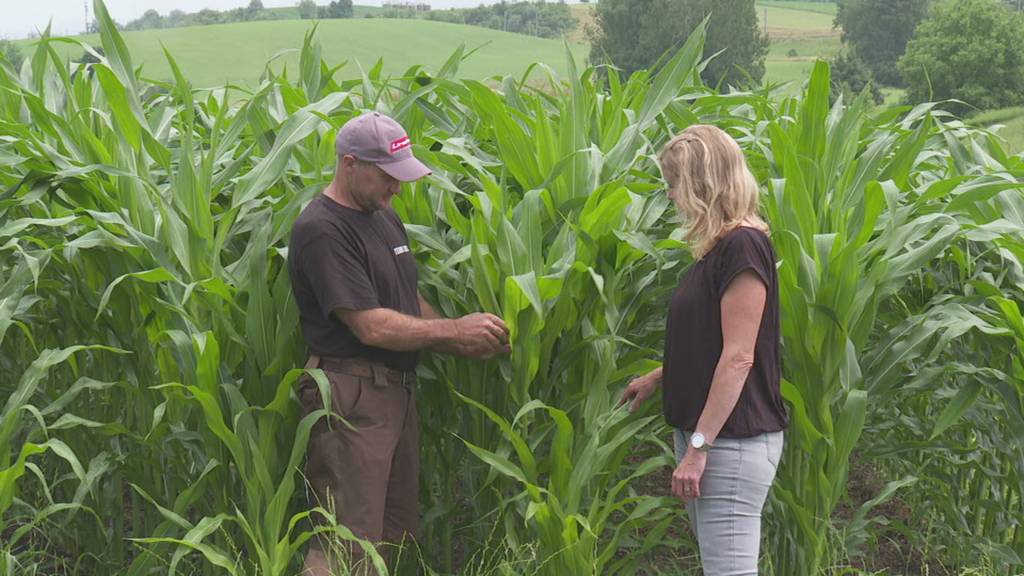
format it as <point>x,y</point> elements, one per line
<point>693,339</point>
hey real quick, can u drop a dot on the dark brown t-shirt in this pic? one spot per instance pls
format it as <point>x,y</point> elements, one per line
<point>693,339</point>
<point>343,258</point>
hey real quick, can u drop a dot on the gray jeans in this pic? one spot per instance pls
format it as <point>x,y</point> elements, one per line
<point>727,516</point>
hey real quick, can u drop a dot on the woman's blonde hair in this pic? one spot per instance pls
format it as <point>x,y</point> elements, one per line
<point>710,183</point>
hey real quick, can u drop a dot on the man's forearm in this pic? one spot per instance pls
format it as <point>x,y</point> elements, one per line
<point>427,312</point>
<point>392,330</point>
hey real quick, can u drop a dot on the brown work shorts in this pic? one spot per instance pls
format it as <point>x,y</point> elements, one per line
<point>366,472</point>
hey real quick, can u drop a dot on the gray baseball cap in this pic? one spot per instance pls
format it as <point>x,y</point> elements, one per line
<point>373,137</point>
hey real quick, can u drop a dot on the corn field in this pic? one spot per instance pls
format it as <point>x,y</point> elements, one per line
<point>149,344</point>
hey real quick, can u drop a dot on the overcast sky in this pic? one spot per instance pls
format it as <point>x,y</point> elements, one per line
<point>19,18</point>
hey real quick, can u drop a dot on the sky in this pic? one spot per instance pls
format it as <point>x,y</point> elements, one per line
<point>19,18</point>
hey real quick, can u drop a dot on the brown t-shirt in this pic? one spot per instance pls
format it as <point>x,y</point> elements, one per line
<point>693,339</point>
<point>344,258</point>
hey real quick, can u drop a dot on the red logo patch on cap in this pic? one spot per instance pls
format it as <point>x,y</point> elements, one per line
<point>400,144</point>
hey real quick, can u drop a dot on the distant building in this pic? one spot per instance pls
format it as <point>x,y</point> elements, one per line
<point>406,5</point>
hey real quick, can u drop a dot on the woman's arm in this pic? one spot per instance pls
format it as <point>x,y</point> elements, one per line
<point>742,308</point>
<point>641,389</point>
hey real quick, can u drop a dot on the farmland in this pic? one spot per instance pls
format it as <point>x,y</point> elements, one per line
<point>225,53</point>
<point>149,344</point>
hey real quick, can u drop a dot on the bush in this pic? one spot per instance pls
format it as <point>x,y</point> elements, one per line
<point>970,50</point>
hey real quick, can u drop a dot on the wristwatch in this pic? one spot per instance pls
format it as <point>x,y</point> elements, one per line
<point>698,442</point>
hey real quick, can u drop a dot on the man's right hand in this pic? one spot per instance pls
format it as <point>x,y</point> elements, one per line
<point>481,335</point>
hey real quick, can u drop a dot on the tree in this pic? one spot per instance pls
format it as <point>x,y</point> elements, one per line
<point>877,32</point>
<point>971,50</point>
<point>337,9</point>
<point>635,33</point>
<point>208,16</point>
<point>150,19</point>
<point>850,77</point>
<point>252,11</point>
<point>307,9</point>
<point>176,18</point>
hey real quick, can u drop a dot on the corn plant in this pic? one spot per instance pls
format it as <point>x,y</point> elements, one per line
<point>855,222</point>
<point>149,345</point>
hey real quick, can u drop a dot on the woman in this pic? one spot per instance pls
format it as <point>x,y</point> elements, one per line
<point>720,377</point>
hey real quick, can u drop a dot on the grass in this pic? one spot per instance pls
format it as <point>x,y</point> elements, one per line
<point>829,8</point>
<point>780,15</point>
<point>1010,123</point>
<point>805,48</point>
<point>226,53</point>
<point>892,96</point>
<point>788,70</point>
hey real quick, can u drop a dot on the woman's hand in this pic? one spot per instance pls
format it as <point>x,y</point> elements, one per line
<point>641,389</point>
<point>686,477</point>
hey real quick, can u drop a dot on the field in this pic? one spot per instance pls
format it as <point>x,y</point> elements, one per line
<point>149,344</point>
<point>237,53</point>
<point>829,8</point>
<point>800,33</point>
<point>1008,123</point>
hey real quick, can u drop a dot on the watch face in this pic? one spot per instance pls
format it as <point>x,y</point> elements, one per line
<point>697,440</point>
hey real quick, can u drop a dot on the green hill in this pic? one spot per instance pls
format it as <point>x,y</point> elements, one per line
<point>237,53</point>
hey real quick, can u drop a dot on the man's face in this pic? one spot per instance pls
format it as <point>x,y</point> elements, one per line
<point>371,187</point>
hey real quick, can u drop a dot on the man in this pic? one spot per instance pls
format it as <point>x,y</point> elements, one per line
<point>364,321</point>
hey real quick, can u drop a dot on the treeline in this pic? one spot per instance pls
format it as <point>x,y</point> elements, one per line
<point>152,19</point>
<point>543,19</point>
<point>967,52</point>
<point>306,9</point>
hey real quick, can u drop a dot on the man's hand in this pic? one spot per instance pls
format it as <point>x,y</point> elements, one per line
<point>640,389</point>
<point>686,477</point>
<point>481,335</point>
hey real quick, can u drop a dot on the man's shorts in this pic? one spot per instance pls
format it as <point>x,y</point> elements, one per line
<point>366,472</point>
